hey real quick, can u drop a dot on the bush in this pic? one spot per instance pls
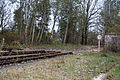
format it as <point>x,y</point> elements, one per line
<point>16,44</point>
<point>9,37</point>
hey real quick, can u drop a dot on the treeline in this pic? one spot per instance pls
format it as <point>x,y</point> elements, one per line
<point>78,21</point>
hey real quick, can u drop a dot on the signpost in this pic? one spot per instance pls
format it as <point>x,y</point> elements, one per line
<point>99,37</point>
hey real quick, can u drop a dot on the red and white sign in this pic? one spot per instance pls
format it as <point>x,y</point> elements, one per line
<point>99,37</point>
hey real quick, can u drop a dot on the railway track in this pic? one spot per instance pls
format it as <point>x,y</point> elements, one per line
<point>7,58</point>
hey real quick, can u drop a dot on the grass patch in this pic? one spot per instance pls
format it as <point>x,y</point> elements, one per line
<point>89,54</point>
<point>54,79</point>
<point>114,74</point>
<point>113,54</point>
<point>72,67</point>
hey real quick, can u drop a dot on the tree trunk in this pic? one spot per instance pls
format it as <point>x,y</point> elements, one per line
<point>85,38</point>
<point>82,42</point>
<point>86,34</point>
<point>66,32</point>
<point>33,32</point>
<point>20,35</point>
<point>26,23</point>
<point>30,33</point>
<point>54,23</point>
<point>41,33</point>
<point>38,36</point>
<point>1,25</point>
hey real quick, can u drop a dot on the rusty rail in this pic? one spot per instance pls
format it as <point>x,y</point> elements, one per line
<point>23,56</point>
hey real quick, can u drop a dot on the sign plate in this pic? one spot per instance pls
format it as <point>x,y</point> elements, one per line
<point>99,37</point>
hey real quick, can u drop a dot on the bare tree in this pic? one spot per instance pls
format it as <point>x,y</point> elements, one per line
<point>90,10</point>
<point>54,11</point>
<point>4,14</point>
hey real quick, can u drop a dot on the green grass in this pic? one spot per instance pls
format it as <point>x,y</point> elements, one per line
<point>72,67</point>
<point>114,74</point>
<point>103,62</point>
<point>54,79</point>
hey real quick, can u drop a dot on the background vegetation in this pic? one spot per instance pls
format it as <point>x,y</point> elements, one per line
<point>78,21</point>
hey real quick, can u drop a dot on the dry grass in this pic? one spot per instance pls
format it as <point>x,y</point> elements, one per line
<point>72,67</point>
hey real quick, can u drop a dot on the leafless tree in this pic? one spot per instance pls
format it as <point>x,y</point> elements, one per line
<point>5,14</point>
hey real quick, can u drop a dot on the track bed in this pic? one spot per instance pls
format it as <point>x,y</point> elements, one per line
<point>23,56</point>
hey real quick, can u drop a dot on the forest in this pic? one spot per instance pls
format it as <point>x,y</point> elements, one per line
<point>58,21</point>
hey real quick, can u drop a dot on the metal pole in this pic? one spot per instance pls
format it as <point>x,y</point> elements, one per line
<point>98,45</point>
